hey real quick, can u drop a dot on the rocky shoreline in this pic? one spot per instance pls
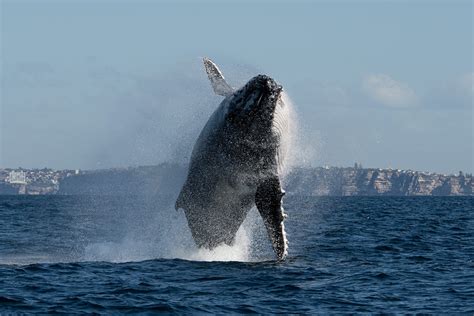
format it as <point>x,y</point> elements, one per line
<point>167,178</point>
<point>376,182</point>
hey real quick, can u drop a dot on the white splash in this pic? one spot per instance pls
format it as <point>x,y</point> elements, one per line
<point>172,240</point>
<point>237,252</point>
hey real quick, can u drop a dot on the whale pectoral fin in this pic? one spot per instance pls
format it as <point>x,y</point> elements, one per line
<point>220,86</point>
<point>268,199</point>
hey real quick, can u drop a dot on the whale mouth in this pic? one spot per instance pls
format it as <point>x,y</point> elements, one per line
<point>268,100</point>
<point>261,103</point>
<point>254,105</point>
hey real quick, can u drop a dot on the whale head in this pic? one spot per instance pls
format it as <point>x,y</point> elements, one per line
<point>258,114</point>
<point>254,105</point>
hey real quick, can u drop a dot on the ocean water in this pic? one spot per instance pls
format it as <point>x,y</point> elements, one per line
<point>105,254</point>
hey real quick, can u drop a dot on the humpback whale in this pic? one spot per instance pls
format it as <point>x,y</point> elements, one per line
<point>236,164</point>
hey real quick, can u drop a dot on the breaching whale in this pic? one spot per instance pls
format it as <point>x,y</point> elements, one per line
<point>236,163</point>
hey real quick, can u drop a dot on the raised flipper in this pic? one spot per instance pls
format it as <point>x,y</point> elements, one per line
<point>268,200</point>
<point>220,86</point>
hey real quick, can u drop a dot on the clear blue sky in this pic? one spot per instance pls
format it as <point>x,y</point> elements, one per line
<point>93,84</point>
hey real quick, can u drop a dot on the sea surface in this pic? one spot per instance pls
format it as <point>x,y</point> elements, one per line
<point>108,254</point>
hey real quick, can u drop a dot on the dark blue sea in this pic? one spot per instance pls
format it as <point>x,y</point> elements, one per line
<point>106,254</point>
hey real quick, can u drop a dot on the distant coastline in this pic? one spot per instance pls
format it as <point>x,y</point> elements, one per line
<point>166,178</point>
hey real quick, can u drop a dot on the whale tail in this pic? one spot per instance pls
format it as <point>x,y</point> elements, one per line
<point>220,86</point>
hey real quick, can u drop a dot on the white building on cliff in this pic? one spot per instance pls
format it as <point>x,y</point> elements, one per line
<point>17,177</point>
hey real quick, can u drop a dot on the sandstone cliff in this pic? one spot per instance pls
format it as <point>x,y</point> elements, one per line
<point>363,182</point>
